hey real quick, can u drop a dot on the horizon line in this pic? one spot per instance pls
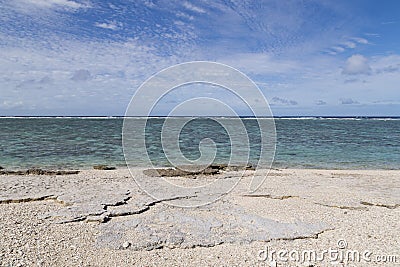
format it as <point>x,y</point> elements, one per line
<point>202,116</point>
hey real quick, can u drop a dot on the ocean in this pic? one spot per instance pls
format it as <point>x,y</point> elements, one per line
<point>302,142</point>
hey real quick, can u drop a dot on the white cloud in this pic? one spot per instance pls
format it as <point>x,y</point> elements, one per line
<point>9,104</point>
<point>356,64</point>
<point>184,15</point>
<point>193,8</point>
<point>112,25</point>
<point>56,4</point>
<point>388,22</point>
<point>360,40</point>
<point>373,34</point>
<point>260,63</point>
<point>350,44</point>
<point>387,64</point>
<point>89,79</point>
<point>338,49</point>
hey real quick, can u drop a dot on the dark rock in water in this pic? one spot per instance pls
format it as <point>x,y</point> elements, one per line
<point>1,168</point>
<point>103,167</point>
<point>37,172</point>
<point>193,170</point>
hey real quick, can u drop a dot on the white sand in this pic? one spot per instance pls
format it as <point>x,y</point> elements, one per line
<point>361,208</point>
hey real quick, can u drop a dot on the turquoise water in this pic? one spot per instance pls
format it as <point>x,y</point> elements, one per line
<point>67,143</point>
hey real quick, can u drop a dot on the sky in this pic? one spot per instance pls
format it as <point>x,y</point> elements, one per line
<point>309,58</point>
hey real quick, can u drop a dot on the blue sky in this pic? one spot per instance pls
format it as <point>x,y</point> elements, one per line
<point>87,57</point>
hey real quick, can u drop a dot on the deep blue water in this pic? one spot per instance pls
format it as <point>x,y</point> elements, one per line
<point>301,142</point>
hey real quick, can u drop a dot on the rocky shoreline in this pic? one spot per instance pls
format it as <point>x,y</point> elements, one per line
<point>36,171</point>
<point>195,170</point>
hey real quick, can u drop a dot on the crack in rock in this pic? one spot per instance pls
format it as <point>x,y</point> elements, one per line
<point>134,207</point>
<point>388,206</point>
<point>270,196</point>
<point>359,205</point>
<point>342,207</point>
<point>26,199</point>
<point>88,202</point>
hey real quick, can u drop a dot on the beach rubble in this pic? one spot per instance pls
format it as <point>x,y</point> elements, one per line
<point>104,167</point>
<point>36,171</point>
